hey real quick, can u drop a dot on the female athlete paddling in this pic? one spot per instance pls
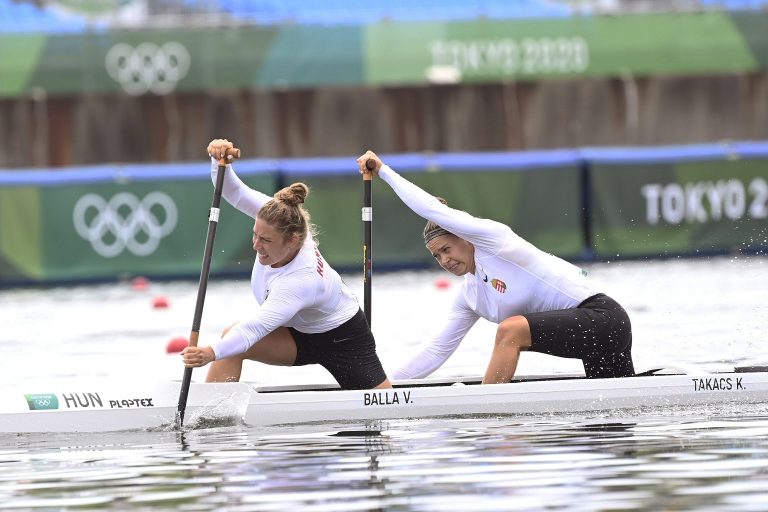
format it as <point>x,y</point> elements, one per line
<point>306,314</point>
<point>540,302</point>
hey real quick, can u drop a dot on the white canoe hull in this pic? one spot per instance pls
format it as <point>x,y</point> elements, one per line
<point>528,397</point>
<point>112,407</point>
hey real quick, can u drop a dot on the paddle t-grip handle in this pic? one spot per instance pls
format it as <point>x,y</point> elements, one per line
<point>370,164</point>
<point>233,152</point>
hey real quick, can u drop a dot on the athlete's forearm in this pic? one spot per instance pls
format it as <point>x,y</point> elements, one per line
<point>425,362</point>
<point>432,357</point>
<point>232,344</point>
<point>237,193</point>
<point>285,300</point>
<point>481,231</point>
<point>243,335</point>
<point>420,201</point>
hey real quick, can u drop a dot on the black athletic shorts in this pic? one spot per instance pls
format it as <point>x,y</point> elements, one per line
<point>597,331</point>
<point>347,351</point>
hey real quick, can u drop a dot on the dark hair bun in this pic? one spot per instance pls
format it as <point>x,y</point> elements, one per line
<point>293,195</point>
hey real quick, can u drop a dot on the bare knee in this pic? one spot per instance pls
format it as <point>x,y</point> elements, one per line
<point>513,333</point>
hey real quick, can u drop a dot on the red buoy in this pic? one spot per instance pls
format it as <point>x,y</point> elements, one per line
<point>139,283</point>
<point>177,344</point>
<point>160,302</point>
<point>442,283</point>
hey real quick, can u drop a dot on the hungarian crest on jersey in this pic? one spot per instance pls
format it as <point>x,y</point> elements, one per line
<point>499,285</point>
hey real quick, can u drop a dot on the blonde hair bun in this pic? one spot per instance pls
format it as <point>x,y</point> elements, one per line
<point>293,195</point>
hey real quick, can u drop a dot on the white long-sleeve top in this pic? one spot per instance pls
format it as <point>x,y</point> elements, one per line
<point>512,277</point>
<point>306,294</point>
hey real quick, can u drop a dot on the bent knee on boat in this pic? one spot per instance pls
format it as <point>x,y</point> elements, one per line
<point>514,332</point>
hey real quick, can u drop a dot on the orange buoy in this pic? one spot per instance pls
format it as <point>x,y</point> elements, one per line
<point>177,344</point>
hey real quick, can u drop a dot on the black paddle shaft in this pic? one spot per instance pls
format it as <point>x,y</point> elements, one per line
<point>370,164</point>
<point>213,221</point>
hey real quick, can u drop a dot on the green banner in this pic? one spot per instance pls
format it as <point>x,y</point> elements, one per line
<point>158,228</point>
<point>679,208</point>
<point>491,50</point>
<point>159,62</point>
<point>539,205</point>
<point>20,234</point>
<point>110,230</point>
<point>153,61</point>
<point>20,55</point>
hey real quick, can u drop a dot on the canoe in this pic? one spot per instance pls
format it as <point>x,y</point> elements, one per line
<point>110,406</point>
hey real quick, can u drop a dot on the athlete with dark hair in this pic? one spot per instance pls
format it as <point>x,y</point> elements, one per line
<point>540,302</point>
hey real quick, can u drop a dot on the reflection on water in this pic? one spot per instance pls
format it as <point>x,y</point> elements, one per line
<point>527,463</point>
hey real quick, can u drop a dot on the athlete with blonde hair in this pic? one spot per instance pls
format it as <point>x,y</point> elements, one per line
<point>305,314</point>
<point>540,302</point>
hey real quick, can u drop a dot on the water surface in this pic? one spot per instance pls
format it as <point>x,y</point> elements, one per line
<point>709,313</point>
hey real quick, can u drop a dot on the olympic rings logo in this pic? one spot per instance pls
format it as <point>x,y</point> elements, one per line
<point>39,402</point>
<point>125,222</point>
<point>148,67</point>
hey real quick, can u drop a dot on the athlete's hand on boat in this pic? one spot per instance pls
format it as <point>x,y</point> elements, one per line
<point>369,155</point>
<point>217,148</point>
<point>195,357</point>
